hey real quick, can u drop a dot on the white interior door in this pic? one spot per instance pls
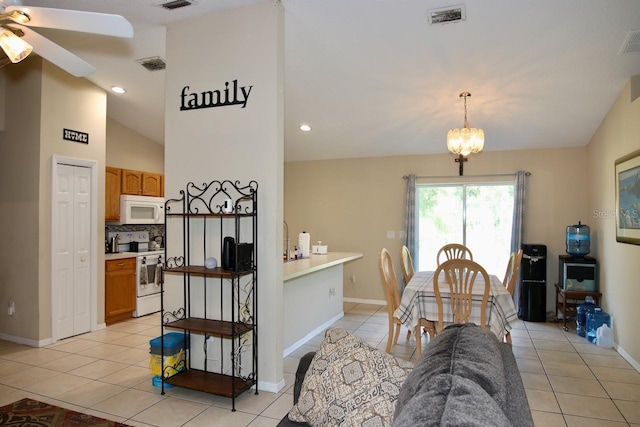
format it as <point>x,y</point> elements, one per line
<point>71,288</point>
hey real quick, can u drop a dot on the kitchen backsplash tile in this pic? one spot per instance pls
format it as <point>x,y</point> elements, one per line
<point>154,230</point>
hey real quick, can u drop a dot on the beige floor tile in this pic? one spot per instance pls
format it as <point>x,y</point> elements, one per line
<point>381,328</point>
<point>9,367</point>
<point>589,407</point>
<point>547,419</point>
<point>603,373</point>
<point>543,326</point>
<point>568,370</point>
<point>279,408</point>
<point>547,335</point>
<point>68,363</point>
<point>109,335</point>
<point>91,393</point>
<point>128,403</point>
<point>525,353</point>
<point>588,348</point>
<point>128,376</point>
<point>349,325</point>
<point>262,421</point>
<point>573,421</point>
<point>135,340</point>
<point>222,417</point>
<point>614,361</point>
<point>75,346</point>
<point>37,356</point>
<point>530,365</point>
<point>577,386</point>
<point>172,412</point>
<point>560,356</point>
<point>98,369</point>
<point>553,345</point>
<point>521,342</point>
<point>630,410</point>
<point>535,381</point>
<point>28,376</point>
<point>360,318</point>
<point>133,327</point>
<point>60,384</point>
<point>622,391</point>
<point>540,400</point>
<point>132,356</point>
<point>191,395</point>
<point>103,351</point>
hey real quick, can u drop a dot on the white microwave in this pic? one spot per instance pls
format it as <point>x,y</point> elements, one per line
<point>141,210</point>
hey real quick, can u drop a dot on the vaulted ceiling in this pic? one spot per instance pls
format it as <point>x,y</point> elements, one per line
<point>374,78</point>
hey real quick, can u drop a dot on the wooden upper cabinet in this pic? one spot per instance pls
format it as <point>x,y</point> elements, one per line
<point>151,184</point>
<point>112,194</point>
<point>141,183</point>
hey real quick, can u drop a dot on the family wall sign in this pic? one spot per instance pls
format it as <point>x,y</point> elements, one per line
<point>232,94</point>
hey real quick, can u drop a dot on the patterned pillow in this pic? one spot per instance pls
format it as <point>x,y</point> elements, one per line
<point>350,383</point>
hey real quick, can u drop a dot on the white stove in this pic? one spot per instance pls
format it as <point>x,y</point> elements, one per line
<point>149,264</point>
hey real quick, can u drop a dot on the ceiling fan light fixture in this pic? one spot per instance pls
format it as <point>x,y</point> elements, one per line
<point>15,48</point>
<point>19,17</point>
<point>118,89</point>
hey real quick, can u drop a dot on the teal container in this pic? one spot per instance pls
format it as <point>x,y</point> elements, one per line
<point>595,319</point>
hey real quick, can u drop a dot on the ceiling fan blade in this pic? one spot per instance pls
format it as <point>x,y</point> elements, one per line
<point>76,20</point>
<point>57,55</point>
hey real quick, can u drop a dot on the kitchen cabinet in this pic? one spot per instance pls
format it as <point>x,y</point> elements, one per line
<point>219,304</point>
<point>112,194</point>
<point>120,289</point>
<point>141,183</point>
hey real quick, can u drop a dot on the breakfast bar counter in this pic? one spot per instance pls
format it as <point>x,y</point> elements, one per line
<point>312,296</point>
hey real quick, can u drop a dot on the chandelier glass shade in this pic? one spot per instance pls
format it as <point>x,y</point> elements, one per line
<point>15,48</point>
<point>467,140</point>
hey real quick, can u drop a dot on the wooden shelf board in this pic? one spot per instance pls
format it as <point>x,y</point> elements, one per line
<point>211,327</point>
<point>210,382</point>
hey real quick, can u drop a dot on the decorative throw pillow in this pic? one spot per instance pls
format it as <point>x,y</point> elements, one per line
<point>350,383</point>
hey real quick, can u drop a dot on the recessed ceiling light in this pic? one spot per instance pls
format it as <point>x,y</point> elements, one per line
<point>305,127</point>
<point>118,89</point>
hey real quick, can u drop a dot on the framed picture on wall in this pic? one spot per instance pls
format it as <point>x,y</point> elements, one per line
<point>628,198</point>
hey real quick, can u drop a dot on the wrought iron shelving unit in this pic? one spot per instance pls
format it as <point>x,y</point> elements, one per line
<point>220,305</point>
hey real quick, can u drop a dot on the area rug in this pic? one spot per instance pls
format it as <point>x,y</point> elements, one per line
<point>31,413</point>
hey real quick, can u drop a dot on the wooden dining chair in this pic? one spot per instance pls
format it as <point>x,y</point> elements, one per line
<point>392,295</point>
<point>407,264</point>
<point>453,251</point>
<point>511,278</point>
<point>460,275</point>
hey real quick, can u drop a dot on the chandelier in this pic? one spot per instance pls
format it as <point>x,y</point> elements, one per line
<point>465,141</point>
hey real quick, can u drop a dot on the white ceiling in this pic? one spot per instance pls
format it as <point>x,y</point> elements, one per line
<point>373,78</point>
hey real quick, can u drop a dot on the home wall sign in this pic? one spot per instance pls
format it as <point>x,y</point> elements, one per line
<point>75,136</point>
<point>234,95</point>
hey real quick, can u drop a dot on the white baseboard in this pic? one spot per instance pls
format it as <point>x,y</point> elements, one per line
<point>293,347</point>
<point>365,301</point>
<point>26,341</point>
<point>626,356</point>
<point>270,386</point>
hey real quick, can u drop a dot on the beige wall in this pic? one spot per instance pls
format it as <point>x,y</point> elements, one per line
<point>617,136</point>
<point>350,204</point>
<point>127,149</point>
<point>44,100</point>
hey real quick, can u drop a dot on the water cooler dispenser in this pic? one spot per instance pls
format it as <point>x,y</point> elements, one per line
<point>532,306</point>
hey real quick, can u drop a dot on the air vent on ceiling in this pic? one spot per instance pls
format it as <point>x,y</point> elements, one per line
<point>447,15</point>
<point>153,64</point>
<point>175,4</point>
<point>631,43</point>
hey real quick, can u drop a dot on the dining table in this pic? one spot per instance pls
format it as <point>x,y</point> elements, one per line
<point>419,302</point>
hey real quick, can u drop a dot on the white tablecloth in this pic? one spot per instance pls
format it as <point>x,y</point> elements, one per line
<point>419,301</point>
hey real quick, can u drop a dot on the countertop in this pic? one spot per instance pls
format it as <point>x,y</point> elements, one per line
<point>120,255</point>
<point>300,267</point>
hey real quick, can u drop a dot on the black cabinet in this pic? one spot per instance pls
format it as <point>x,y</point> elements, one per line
<point>532,306</point>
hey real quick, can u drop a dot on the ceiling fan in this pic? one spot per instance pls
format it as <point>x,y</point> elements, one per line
<point>17,40</point>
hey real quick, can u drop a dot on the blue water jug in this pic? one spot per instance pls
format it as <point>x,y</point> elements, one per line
<point>595,319</point>
<point>581,315</point>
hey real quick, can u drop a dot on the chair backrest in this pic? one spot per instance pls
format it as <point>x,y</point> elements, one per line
<point>390,281</point>
<point>407,264</point>
<point>460,275</point>
<point>513,270</point>
<point>453,251</point>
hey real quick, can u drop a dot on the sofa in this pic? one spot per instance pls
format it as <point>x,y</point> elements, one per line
<point>465,377</point>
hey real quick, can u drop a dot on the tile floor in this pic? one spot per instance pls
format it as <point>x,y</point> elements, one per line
<point>569,382</point>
